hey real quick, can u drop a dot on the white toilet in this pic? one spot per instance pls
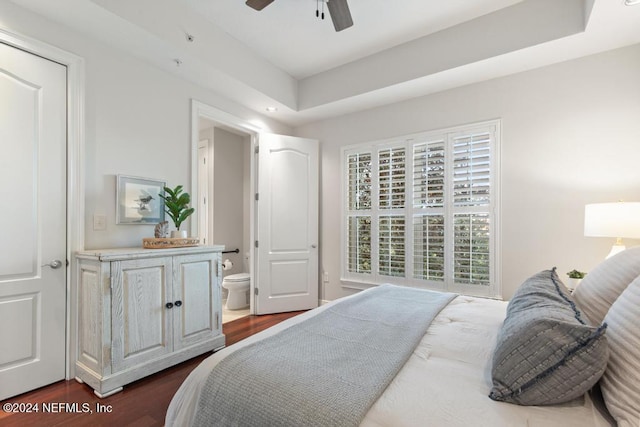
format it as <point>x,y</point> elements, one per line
<point>238,286</point>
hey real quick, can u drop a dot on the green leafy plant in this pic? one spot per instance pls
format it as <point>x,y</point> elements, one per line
<point>575,274</point>
<point>176,205</point>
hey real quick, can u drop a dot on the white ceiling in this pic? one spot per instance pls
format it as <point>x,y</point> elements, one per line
<point>289,35</point>
<point>285,57</point>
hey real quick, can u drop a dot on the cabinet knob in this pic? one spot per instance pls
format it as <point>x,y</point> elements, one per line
<point>178,303</point>
<point>169,305</point>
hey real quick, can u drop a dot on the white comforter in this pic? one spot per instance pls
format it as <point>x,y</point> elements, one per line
<point>445,382</point>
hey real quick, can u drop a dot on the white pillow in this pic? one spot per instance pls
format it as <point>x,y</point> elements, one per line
<point>620,383</point>
<point>602,286</point>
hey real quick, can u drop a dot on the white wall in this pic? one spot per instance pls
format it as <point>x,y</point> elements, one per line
<point>570,136</point>
<point>138,121</point>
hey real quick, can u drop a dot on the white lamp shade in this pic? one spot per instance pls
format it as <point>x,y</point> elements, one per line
<point>619,219</point>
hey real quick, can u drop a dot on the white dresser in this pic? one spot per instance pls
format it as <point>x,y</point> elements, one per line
<point>143,310</point>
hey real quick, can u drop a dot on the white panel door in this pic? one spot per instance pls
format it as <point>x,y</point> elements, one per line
<point>287,232</point>
<point>33,218</point>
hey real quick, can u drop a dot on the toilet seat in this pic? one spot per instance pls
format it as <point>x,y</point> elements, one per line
<point>240,277</point>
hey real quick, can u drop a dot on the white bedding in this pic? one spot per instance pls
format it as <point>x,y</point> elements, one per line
<point>444,383</point>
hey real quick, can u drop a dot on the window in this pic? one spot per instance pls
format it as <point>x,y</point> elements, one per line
<point>421,210</point>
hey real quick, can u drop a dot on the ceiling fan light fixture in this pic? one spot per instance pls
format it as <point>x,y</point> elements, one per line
<point>631,2</point>
<point>258,4</point>
<point>338,9</point>
<point>340,14</point>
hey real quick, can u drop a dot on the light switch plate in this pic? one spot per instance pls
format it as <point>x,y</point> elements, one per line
<point>99,222</point>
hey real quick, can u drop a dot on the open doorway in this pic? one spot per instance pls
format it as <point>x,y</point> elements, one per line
<point>224,185</point>
<point>224,156</point>
<point>281,252</point>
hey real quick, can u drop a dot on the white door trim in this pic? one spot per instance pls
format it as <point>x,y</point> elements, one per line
<point>75,167</point>
<point>200,109</point>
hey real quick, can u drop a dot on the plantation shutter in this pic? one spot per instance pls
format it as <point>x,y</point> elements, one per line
<point>359,181</point>
<point>391,246</point>
<point>359,218</point>
<point>471,170</point>
<point>359,244</point>
<point>471,208</point>
<point>428,207</point>
<point>391,172</point>
<point>420,211</point>
<point>391,203</point>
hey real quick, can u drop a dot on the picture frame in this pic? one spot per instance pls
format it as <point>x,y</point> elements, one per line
<point>138,201</point>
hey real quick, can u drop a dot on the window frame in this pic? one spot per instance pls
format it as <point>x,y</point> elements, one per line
<point>354,280</point>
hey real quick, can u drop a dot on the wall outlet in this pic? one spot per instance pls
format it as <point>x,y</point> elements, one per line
<point>99,222</point>
<point>325,277</point>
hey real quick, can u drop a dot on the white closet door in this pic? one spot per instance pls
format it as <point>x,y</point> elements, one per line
<point>33,218</point>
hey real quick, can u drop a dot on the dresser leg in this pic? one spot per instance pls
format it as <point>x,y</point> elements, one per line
<point>108,393</point>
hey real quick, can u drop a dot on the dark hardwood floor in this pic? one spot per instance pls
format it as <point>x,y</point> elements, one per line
<point>142,403</point>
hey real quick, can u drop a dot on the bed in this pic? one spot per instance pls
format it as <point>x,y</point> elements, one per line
<point>448,376</point>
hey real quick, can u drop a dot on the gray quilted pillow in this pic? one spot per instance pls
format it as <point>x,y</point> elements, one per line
<point>546,352</point>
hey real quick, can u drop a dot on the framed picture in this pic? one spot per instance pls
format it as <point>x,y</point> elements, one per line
<point>138,200</point>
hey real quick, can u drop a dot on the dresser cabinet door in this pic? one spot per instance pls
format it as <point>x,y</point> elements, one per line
<point>195,292</point>
<point>141,321</point>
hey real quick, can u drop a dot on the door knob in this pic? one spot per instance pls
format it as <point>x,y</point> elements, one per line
<point>56,263</point>
<point>314,246</point>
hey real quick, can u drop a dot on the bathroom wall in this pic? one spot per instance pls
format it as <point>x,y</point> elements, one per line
<point>229,195</point>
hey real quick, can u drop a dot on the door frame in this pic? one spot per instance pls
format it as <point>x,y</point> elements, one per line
<point>75,182</point>
<point>200,109</point>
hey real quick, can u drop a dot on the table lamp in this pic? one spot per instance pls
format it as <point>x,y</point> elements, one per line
<point>620,219</point>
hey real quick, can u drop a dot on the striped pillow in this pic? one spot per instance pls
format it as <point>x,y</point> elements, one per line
<point>620,383</point>
<point>602,286</point>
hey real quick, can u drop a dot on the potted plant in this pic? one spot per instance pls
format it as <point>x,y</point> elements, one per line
<point>176,204</point>
<point>575,277</point>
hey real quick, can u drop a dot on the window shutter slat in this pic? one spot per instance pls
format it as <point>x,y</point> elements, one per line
<point>391,245</point>
<point>359,244</point>
<point>359,181</point>
<point>428,174</point>
<point>428,247</point>
<point>471,248</point>
<point>391,172</point>
<point>471,170</point>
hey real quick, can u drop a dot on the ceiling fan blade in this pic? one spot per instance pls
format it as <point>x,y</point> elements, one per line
<point>258,4</point>
<point>340,14</point>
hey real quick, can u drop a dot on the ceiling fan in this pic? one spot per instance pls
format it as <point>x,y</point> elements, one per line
<point>338,9</point>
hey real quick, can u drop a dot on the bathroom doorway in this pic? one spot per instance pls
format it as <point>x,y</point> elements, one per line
<point>284,173</point>
<point>224,194</point>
